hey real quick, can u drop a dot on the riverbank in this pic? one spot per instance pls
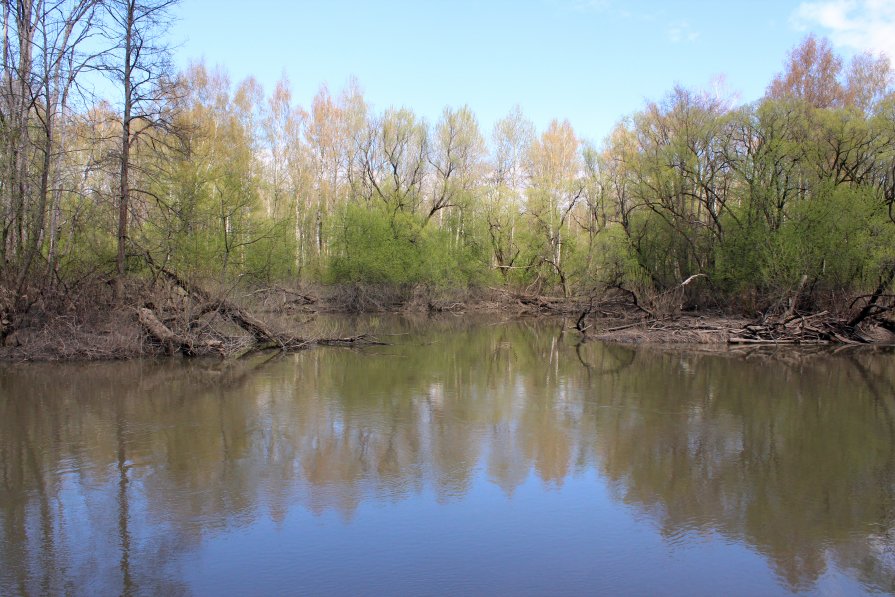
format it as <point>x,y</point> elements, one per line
<point>736,330</point>
<point>176,317</point>
<point>173,316</point>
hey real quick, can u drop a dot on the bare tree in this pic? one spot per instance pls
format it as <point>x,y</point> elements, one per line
<point>62,27</point>
<point>140,63</point>
<point>42,59</point>
<point>19,26</point>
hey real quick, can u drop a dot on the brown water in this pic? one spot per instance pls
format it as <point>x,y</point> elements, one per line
<point>464,458</point>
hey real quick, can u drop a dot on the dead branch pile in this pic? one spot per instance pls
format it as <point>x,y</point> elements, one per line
<point>682,329</point>
<point>277,299</point>
<point>537,304</point>
<point>646,321</point>
<point>869,325</point>
<point>818,328</point>
<point>198,323</point>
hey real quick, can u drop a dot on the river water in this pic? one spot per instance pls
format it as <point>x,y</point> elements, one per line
<point>464,458</point>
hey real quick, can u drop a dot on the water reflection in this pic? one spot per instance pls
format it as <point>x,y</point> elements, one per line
<point>111,473</point>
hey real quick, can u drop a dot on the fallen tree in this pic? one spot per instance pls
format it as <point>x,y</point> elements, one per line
<point>199,335</point>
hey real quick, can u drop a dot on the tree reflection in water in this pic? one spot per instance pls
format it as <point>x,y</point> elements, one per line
<point>110,472</point>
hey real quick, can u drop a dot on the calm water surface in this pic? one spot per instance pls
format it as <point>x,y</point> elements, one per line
<point>465,458</point>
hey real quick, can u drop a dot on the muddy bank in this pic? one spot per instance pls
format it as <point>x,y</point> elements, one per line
<point>686,329</point>
<point>175,317</point>
<point>170,315</point>
<point>735,331</point>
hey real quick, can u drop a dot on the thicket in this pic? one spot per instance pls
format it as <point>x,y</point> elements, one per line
<point>230,186</point>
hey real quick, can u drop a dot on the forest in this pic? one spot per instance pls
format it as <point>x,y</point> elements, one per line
<point>121,174</point>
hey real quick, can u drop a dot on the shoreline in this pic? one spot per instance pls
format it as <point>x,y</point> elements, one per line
<point>287,320</point>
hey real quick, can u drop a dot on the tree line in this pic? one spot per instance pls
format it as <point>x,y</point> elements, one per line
<point>115,165</point>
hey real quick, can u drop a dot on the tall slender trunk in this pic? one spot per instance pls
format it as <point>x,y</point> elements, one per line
<point>123,200</point>
<point>50,85</point>
<point>9,168</point>
<point>53,227</point>
<point>37,226</point>
<point>299,236</point>
<point>18,183</point>
<point>56,205</point>
<point>124,187</point>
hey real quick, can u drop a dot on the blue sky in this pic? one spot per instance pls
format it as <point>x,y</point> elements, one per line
<point>591,61</point>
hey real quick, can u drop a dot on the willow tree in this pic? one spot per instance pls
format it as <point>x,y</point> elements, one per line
<point>393,153</point>
<point>456,155</point>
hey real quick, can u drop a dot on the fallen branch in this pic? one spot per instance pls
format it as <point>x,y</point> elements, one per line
<point>884,282</point>
<point>171,341</point>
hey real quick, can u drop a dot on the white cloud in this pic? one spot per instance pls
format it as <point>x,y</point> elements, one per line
<point>863,25</point>
<point>681,31</point>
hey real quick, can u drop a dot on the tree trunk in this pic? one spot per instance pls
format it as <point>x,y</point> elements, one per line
<point>124,188</point>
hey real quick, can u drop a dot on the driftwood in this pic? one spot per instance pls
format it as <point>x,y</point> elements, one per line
<point>541,304</point>
<point>260,331</point>
<point>662,316</point>
<point>300,299</point>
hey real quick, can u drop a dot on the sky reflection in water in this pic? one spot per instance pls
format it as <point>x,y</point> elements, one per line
<point>466,457</point>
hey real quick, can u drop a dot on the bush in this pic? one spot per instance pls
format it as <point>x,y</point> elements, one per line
<point>839,238</point>
<point>374,246</point>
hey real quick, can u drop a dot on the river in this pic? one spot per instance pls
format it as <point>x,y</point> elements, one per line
<point>472,457</point>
